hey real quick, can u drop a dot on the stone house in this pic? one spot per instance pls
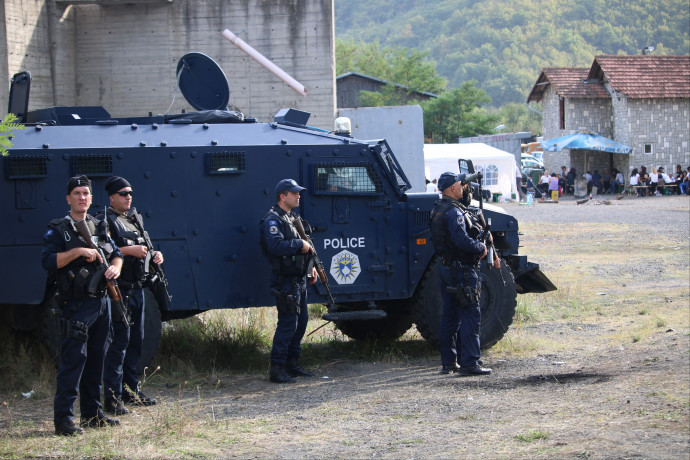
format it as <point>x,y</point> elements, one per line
<point>639,101</point>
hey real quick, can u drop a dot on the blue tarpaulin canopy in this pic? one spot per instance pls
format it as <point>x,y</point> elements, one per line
<point>585,141</point>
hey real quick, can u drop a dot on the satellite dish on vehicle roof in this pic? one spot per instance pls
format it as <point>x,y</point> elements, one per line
<point>202,82</point>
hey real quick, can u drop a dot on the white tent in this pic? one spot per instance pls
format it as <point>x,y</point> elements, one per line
<point>499,167</point>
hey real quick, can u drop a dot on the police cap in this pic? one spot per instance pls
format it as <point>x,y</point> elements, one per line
<point>115,184</point>
<point>78,181</point>
<point>448,178</point>
<point>288,185</point>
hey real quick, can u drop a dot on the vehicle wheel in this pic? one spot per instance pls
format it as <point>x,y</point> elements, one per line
<point>392,327</point>
<point>152,332</point>
<point>497,305</point>
<point>48,330</point>
<point>427,305</point>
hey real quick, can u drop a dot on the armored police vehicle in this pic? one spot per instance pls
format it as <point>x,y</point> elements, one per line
<point>203,181</point>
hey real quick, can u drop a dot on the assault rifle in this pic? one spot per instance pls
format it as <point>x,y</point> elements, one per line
<point>317,261</point>
<point>486,235</point>
<point>113,289</point>
<point>157,281</point>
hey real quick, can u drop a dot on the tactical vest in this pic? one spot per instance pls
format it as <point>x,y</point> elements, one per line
<point>125,233</point>
<point>75,281</point>
<point>293,265</point>
<point>440,237</point>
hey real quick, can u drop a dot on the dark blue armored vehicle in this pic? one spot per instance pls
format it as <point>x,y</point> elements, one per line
<point>203,180</point>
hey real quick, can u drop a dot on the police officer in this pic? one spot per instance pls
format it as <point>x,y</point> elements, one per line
<point>84,312</point>
<point>455,234</point>
<point>120,370</point>
<point>291,262</point>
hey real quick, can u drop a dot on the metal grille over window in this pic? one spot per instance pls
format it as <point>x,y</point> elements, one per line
<point>26,167</point>
<point>421,218</point>
<point>92,165</point>
<point>346,179</point>
<point>226,163</point>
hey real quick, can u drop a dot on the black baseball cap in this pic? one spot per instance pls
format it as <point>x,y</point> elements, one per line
<point>288,185</point>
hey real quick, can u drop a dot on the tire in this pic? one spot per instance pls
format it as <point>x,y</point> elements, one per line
<point>497,304</point>
<point>48,330</point>
<point>398,321</point>
<point>152,332</point>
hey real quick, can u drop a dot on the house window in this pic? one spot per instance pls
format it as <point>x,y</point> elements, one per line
<point>649,149</point>
<point>561,112</point>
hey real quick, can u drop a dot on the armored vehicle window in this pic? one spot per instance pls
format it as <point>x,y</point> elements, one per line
<point>346,178</point>
<point>225,163</point>
<point>92,165</point>
<point>32,167</point>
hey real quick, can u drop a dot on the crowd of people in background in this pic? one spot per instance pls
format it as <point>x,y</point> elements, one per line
<point>644,182</point>
<point>652,183</point>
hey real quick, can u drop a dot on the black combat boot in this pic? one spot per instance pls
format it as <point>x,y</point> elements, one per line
<point>277,374</point>
<point>137,399</point>
<point>68,428</point>
<point>450,368</point>
<point>293,368</point>
<point>99,421</point>
<point>115,407</point>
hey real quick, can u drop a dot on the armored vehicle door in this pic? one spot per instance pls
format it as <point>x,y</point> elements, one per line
<point>345,206</point>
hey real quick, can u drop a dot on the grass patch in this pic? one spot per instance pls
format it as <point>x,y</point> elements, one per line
<point>24,364</point>
<point>531,436</point>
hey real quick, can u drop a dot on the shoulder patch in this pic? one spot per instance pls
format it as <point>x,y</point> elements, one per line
<point>49,232</point>
<point>272,222</point>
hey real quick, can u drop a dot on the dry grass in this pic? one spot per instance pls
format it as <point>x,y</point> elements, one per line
<point>217,402</point>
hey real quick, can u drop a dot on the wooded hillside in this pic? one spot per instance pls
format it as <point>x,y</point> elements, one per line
<point>503,45</point>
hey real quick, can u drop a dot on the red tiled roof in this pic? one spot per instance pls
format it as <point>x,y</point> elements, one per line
<point>642,77</point>
<point>568,82</point>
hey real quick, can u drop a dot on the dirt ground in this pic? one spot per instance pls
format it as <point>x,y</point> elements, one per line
<point>602,371</point>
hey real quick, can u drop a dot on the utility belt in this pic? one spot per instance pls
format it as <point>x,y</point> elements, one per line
<point>295,265</point>
<point>128,286</point>
<point>449,261</point>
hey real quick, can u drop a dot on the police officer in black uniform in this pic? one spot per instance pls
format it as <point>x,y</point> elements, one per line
<point>455,234</point>
<point>124,352</point>
<point>84,312</point>
<point>291,263</point>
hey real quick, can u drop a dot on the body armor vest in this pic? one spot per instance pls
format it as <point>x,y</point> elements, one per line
<point>440,237</point>
<point>125,233</point>
<point>293,265</point>
<point>73,280</point>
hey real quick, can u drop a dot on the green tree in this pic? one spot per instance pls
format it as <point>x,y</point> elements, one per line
<point>458,113</point>
<point>6,127</point>
<point>518,117</point>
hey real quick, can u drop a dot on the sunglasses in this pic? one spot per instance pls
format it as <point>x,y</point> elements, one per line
<point>130,193</point>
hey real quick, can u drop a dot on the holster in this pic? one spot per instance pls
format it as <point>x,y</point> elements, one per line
<point>286,302</point>
<point>465,295</point>
<point>70,328</point>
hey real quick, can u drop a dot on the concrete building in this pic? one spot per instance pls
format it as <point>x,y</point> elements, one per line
<point>639,101</point>
<point>122,54</point>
